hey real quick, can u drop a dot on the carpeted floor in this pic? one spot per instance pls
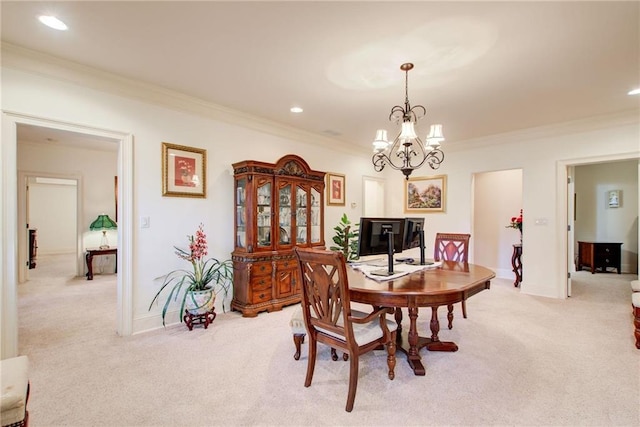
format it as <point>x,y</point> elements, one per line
<point>522,361</point>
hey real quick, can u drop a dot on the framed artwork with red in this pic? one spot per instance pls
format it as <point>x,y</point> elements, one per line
<point>335,189</point>
<point>183,171</point>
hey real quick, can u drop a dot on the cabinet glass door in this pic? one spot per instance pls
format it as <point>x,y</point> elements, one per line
<point>314,221</point>
<point>302,196</point>
<point>263,214</point>
<point>284,215</point>
<point>241,213</point>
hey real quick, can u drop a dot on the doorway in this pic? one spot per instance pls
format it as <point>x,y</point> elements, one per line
<point>568,179</point>
<point>51,214</point>
<point>10,230</point>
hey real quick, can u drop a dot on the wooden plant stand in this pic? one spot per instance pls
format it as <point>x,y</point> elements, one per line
<point>199,319</point>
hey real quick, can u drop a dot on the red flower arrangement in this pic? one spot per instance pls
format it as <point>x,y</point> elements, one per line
<point>516,222</point>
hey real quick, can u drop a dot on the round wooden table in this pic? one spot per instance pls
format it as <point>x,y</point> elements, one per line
<point>448,284</point>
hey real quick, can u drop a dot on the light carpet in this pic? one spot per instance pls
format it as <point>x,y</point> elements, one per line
<point>522,361</point>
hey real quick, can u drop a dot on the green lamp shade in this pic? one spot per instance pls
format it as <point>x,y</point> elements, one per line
<point>103,222</point>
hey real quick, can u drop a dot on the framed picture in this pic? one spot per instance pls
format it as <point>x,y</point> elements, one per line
<point>425,194</point>
<point>335,189</point>
<point>183,171</point>
<point>613,198</point>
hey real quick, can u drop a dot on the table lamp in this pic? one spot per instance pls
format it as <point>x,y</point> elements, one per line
<point>104,223</point>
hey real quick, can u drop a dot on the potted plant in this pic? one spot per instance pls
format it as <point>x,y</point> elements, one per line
<point>346,238</point>
<point>196,289</point>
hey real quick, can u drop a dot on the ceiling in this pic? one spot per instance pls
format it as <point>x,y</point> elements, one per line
<point>481,68</point>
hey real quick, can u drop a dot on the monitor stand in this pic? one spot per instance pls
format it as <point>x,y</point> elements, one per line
<point>389,271</point>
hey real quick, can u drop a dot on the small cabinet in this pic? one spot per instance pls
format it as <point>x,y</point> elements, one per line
<point>277,207</point>
<point>599,255</point>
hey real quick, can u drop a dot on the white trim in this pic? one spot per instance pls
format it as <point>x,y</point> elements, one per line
<point>20,58</point>
<point>8,222</point>
<point>22,231</point>
<point>562,174</point>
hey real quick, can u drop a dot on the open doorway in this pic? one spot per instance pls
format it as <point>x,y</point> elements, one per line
<point>13,225</point>
<point>51,218</point>
<point>593,219</point>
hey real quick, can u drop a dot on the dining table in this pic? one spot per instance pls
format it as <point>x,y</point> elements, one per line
<point>446,284</point>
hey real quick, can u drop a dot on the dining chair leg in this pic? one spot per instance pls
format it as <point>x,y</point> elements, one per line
<point>353,381</point>
<point>298,339</point>
<point>311,364</point>
<point>391,355</point>
<point>450,315</point>
<point>464,308</point>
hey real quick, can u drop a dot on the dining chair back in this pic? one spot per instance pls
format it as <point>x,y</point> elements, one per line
<point>452,247</point>
<point>329,318</point>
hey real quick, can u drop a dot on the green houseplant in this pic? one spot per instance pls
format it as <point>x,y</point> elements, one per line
<point>346,238</point>
<point>196,289</point>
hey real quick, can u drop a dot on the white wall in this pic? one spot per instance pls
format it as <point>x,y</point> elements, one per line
<point>538,152</point>
<point>595,221</point>
<point>52,211</point>
<point>497,197</point>
<point>96,170</point>
<point>171,219</point>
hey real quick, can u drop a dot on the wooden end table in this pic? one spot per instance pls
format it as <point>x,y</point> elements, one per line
<point>98,252</point>
<point>516,263</point>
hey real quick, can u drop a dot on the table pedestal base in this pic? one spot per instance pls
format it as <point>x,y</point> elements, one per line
<point>417,342</point>
<point>199,319</point>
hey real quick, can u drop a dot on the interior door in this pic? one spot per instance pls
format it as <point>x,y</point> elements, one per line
<point>571,212</point>
<point>373,197</point>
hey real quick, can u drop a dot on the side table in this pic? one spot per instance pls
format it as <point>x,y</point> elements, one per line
<point>98,252</point>
<point>516,263</point>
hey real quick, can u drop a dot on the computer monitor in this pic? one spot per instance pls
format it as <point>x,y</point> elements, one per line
<point>374,236</point>
<point>412,229</point>
<point>414,236</point>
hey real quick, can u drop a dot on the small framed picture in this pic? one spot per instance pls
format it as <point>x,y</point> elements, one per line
<point>335,189</point>
<point>613,198</point>
<point>425,194</point>
<point>183,171</point>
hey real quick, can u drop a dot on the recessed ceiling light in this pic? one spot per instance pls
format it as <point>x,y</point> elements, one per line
<point>296,110</point>
<point>53,22</point>
<point>634,92</point>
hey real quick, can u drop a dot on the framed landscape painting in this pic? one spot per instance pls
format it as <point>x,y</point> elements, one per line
<point>183,171</point>
<point>425,194</point>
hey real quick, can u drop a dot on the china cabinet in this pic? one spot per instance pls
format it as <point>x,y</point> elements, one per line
<point>277,206</point>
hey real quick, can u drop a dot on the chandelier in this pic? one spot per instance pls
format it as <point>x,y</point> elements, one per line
<point>407,152</point>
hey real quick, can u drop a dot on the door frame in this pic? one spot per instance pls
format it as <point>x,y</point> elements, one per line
<point>562,201</point>
<point>9,223</point>
<point>23,211</point>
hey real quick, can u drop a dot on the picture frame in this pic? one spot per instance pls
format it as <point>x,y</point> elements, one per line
<point>336,188</point>
<point>425,194</point>
<point>184,171</point>
<point>613,198</point>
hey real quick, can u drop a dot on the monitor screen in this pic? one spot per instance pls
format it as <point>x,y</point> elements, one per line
<point>373,237</point>
<point>412,229</point>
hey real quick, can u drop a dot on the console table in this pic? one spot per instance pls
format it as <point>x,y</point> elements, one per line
<point>600,255</point>
<point>516,263</point>
<point>98,252</point>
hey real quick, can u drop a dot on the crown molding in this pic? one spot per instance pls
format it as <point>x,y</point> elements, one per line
<point>621,118</point>
<point>23,59</point>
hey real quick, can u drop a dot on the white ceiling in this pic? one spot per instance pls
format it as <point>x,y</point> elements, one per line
<point>481,68</point>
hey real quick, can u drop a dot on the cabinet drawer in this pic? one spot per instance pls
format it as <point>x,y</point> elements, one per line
<point>261,269</point>
<point>260,289</point>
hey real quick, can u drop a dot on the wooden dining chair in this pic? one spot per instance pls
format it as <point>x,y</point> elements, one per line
<point>452,247</point>
<point>329,319</point>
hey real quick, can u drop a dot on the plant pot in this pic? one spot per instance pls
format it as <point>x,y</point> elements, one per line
<point>200,302</point>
